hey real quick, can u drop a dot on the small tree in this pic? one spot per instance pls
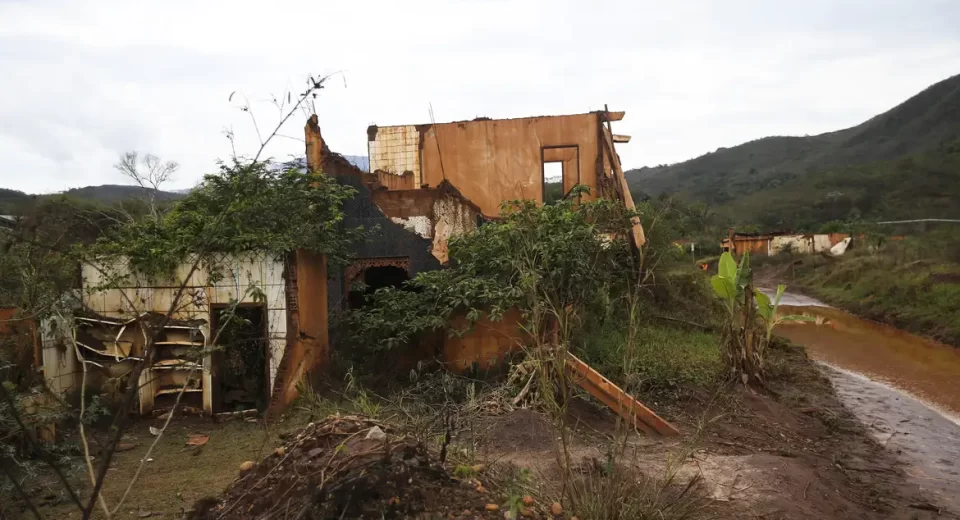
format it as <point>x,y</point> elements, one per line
<point>150,173</point>
<point>553,263</point>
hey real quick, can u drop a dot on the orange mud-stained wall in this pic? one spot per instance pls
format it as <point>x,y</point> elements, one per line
<point>487,343</point>
<point>499,160</point>
<point>491,161</point>
<point>307,326</point>
<point>756,246</point>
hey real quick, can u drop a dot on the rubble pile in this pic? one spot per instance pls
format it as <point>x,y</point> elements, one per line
<point>347,467</point>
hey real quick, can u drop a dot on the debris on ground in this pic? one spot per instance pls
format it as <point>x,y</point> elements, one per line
<point>197,439</point>
<point>376,434</point>
<point>342,468</point>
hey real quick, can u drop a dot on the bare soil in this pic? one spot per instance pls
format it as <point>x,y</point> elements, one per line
<point>792,452</point>
<point>798,453</point>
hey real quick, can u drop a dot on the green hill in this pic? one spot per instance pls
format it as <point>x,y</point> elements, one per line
<point>13,201</point>
<point>110,193</point>
<point>902,163</point>
<point>10,200</point>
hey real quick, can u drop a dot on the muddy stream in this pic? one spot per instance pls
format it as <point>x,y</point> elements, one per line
<point>904,388</point>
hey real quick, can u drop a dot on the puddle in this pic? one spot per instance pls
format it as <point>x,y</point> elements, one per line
<point>904,388</point>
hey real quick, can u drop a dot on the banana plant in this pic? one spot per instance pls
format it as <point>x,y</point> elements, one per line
<point>744,343</point>
<point>768,310</point>
<point>731,280</point>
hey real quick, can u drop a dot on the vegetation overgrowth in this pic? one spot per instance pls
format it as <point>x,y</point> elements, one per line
<point>571,256</point>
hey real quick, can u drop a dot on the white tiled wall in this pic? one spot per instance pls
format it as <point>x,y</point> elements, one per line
<point>238,274</point>
<point>396,149</point>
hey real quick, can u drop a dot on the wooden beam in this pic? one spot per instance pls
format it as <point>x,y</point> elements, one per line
<point>619,401</point>
<point>639,238</point>
<point>621,138</point>
<point>612,116</point>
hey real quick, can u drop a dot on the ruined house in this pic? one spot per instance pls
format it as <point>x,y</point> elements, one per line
<point>109,327</point>
<point>427,184</point>
<point>430,182</point>
<point>772,244</point>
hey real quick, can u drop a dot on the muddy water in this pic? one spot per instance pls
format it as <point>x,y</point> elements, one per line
<point>904,388</point>
<point>924,368</point>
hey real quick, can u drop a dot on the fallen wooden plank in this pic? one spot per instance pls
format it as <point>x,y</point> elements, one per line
<point>619,401</point>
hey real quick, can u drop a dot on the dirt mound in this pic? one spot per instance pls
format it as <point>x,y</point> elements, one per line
<point>347,467</point>
<point>521,429</point>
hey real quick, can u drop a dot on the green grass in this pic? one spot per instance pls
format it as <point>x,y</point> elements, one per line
<point>664,358</point>
<point>177,476</point>
<point>904,284</point>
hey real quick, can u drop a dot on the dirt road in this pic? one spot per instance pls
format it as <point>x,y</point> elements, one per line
<point>906,389</point>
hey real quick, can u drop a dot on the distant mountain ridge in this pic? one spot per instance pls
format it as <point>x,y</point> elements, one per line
<point>925,121</point>
<point>10,200</point>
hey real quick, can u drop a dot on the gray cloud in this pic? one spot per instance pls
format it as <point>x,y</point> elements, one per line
<point>85,81</point>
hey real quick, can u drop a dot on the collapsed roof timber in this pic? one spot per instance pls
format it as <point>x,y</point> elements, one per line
<point>427,183</point>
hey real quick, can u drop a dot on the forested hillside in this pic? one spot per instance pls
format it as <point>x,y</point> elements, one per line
<point>902,163</point>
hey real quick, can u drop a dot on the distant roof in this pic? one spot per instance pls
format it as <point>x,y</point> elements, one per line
<point>8,221</point>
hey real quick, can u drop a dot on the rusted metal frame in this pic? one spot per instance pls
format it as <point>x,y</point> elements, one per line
<point>543,169</point>
<point>619,401</point>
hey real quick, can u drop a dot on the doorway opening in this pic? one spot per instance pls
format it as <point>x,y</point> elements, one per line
<point>240,361</point>
<point>374,278</point>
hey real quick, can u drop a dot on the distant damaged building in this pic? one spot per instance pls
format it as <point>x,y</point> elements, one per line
<point>780,242</point>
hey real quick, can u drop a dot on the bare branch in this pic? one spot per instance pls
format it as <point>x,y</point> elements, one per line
<point>83,431</point>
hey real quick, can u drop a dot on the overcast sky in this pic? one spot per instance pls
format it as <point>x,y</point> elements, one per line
<point>83,82</point>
